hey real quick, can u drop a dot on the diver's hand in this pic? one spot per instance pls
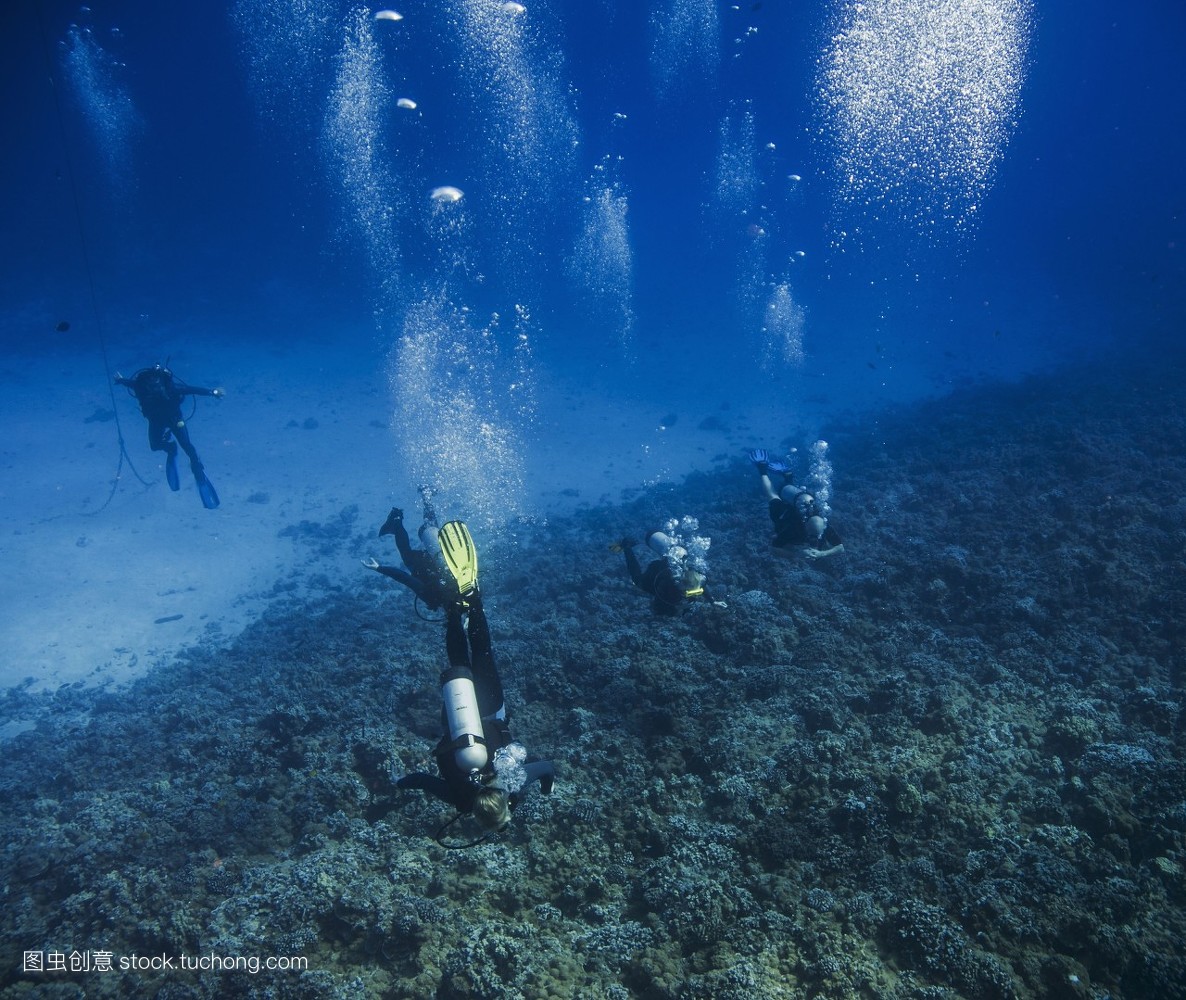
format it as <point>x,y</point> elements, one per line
<point>219,393</point>
<point>371,563</point>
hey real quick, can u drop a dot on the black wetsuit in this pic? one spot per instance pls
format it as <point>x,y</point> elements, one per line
<point>454,785</point>
<point>657,580</point>
<point>424,580</point>
<point>790,526</point>
<point>160,396</point>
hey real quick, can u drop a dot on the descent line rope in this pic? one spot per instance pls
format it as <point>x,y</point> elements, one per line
<point>89,271</point>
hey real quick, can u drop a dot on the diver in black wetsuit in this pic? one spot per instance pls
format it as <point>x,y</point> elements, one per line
<point>659,578</point>
<point>483,771</point>
<point>160,395</point>
<point>424,574</point>
<point>797,518</point>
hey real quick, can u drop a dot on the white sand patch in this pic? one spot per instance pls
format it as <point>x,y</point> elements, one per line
<point>85,593</point>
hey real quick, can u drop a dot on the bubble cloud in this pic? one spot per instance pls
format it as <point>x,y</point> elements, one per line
<point>602,264</point>
<point>783,326</point>
<point>111,115</point>
<point>919,99</point>
<point>459,403</point>
<point>686,47</point>
<point>522,131</point>
<point>354,147</point>
<point>284,45</point>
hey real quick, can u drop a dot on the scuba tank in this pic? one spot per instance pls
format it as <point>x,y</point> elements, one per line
<point>466,735</point>
<point>659,541</point>
<point>663,544</point>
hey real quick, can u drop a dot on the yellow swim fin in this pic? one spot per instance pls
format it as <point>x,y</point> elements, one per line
<point>457,548</point>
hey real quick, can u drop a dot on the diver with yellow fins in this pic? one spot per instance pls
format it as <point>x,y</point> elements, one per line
<point>483,771</point>
<point>422,573</point>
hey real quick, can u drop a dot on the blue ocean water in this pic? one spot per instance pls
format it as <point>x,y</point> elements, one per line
<point>217,155</point>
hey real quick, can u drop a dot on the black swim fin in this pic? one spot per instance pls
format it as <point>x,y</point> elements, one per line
<point>206,491</point>
<point>171,472</point>
<point>394,518</point>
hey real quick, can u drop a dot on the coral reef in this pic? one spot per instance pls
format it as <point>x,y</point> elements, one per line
<point>948,764</point>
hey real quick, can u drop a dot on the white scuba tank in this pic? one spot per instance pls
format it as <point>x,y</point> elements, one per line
<point>659,541</point>
<point>463,719</point>
<point>665,545</point>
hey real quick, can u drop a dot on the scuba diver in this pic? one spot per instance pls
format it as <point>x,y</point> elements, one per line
<point>483,771</point>
<point>423,575</point>
<point>798,519</point>
<point>673,579</point>
<point>160,395</point>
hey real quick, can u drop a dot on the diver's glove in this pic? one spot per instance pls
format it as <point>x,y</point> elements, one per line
<point>371,563</point>
<point>761,458</point>
<point>780,467</point>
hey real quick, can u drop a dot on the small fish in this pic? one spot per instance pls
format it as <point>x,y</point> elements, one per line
<point>62,327</point>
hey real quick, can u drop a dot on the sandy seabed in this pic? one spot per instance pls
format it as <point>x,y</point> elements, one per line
<point>100,590</point>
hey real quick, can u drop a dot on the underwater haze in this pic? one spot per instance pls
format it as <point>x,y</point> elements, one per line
<point>557,270</point>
